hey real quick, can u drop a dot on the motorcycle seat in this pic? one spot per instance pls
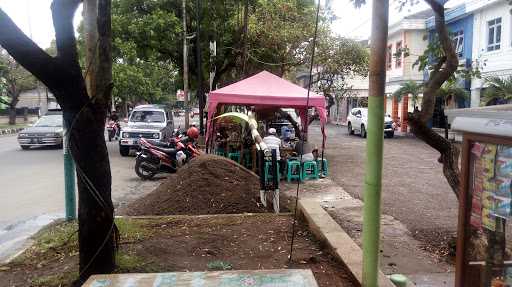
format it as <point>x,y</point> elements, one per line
<point>169,151</point>
<point>160,144</point>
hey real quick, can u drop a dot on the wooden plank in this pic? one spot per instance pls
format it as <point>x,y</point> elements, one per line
<point>239,278</point>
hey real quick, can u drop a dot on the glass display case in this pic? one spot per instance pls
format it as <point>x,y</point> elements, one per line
<point>484,247</point>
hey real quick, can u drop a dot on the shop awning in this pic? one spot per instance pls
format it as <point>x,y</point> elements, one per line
<point>267,90</point>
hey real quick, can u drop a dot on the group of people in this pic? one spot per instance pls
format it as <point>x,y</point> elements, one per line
<point>273,142</point>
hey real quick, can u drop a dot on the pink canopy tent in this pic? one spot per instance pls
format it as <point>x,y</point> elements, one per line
<point>267,90</point>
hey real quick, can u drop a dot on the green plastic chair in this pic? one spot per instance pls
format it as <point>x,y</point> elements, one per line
<point>220,152</point>
<point>310,170</point>
<point>247,159</point>
<point>323,170</point>
<point>293,170</point>
<point>234,156</point>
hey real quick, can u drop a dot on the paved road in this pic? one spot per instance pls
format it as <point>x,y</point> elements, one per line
<point>32,181</point>
<point>414,190</point>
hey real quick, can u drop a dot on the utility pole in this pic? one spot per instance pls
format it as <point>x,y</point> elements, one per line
<point>246,28</point>
<point>374,145</point>
<point>200,94</point>
<point>185,63</point>
<point>213,54</point>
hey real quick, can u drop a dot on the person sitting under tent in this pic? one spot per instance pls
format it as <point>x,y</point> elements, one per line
<point>312,156</point>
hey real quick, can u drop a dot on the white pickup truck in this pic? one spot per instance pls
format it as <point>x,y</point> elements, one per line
<point>145,121</point>
<point>357,120</point>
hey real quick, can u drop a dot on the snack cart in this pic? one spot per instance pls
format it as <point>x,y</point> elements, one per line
<point>484,235</point>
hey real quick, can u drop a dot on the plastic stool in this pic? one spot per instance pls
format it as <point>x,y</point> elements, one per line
<point>310,170</point>
<point>220,152</point>
<point>247,159</point>
<point>293,170</point>
<point>234,156</point>
<point>268,174</point>
<point>323,170</point>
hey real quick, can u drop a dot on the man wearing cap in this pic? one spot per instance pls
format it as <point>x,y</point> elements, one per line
<point>273,142</point>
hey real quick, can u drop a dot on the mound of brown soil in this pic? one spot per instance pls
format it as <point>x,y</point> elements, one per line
<point>208,184</point>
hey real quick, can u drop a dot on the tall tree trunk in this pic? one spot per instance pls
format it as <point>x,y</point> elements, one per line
<point>97,230</point>
<point>85,116</point>
<point>12,115</point>
<point>15,98</point>
<point>418,121</point>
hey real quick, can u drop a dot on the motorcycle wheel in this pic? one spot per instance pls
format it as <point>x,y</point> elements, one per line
<point>143,172</point>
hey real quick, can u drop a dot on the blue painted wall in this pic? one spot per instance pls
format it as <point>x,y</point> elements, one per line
<point>456,21</point>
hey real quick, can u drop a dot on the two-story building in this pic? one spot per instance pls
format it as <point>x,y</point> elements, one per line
<point>410,35</point>
<point>492,43</point>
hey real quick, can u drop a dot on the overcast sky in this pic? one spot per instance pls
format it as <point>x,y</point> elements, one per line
<point>34,18</point>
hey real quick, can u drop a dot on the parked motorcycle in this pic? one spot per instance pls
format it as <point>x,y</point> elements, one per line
<point>156,157</point>
<point>113,129</point>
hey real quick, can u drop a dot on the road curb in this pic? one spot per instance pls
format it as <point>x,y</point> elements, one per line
<point>10,131</point>
<point>338,241</point>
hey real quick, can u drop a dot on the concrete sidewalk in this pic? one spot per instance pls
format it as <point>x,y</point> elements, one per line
<point>400,252</point>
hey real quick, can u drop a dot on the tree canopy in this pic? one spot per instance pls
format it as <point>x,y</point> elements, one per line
<point>279,34</point>
<point>339,59</point>
<point>14,80</point>
<point>409,87</point>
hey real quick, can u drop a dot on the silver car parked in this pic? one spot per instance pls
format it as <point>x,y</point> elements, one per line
<point>47,131</point>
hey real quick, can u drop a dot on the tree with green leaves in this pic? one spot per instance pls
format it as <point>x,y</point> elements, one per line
<point>278,34</point>
<point>409,88</point>
<point>451,91</point>
<point>14,80</point>
<point>339,60</point>
<point>499,91</point>
<point>85,107</point>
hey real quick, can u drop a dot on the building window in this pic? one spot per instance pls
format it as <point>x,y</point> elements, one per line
<point>389,57</point>
<point>398,55</point>
<point>494,34</point>
<point>458,42</point>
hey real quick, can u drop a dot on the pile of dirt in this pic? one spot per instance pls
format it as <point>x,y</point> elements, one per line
<point>208,184</point>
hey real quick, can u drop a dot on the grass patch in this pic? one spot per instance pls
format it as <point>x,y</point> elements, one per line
<point>62,238</point>
<point>127,262</point>
<point>132,229</point>
<point>61,279</point>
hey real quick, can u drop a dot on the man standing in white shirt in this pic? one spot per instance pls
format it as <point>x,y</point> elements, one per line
<point>273,142</point>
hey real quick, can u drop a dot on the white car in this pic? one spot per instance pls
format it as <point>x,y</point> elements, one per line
<point>145,121</point>
<point>357,120</point>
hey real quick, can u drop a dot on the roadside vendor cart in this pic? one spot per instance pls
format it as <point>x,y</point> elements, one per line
<point>484,239</point>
